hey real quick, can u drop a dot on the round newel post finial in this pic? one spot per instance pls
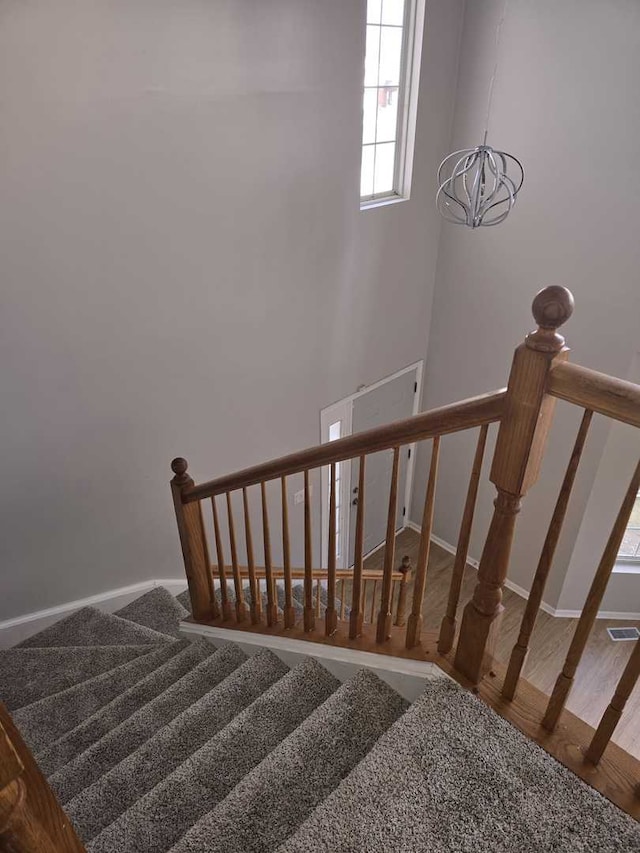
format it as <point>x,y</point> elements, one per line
<point>551,309</point>
<point>179,467</point>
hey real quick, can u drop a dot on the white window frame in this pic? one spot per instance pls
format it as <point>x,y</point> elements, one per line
<point>407,108</point>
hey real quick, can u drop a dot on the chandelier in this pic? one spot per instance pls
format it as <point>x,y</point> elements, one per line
<point>479,186</point>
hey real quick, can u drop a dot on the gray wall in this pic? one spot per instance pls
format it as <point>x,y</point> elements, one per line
<point>564,104</point>
<point>185,267</point>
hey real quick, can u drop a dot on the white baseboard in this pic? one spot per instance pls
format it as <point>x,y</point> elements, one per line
<point>523,593</point>
<point>15,630</point>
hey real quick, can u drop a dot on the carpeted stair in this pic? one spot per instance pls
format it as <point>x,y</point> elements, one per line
<point>153,744</point>
<point>451,775</point>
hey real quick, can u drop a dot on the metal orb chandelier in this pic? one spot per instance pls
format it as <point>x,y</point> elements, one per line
<point>474,187</point>
<point>479,186</point>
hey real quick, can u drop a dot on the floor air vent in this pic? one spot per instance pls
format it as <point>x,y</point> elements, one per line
<point>618,634</point>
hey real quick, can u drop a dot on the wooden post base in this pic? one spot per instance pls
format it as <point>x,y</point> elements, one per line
<point>557,702</point>
<point>383,631</point>
<point>447,635</point>
<point>330,621</point>
<point>414,629</point>
<point>516,662</point>
<point>309,619</point>
<point>272,614</point>
<point>608,723</point>
<point>290,617</point>
<point>355,624</point>
<point>474,657</point>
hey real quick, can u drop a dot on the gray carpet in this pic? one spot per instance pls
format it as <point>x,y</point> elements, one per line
<point>80,738</point>
<point>274,798</point>
<point>91,627</point>
<point>27,675</point>
<point>158,744</point>
<point>162,816</point>
<point>156,609</point>
<point>136,729</point>
<point>101,803</point>
<point>48,719</point>
<point>451,775</point>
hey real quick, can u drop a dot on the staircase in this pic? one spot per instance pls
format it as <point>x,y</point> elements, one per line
<point>152,743</point>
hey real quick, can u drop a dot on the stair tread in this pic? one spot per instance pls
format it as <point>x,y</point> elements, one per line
<point>105,753</point>
<point>156,609</point>
<point>159,818</point>
<point>453,775</point>
<point>92,627</point>
<point>101,803</point>
<point>273,799</point>
<point>91,729</point>
<point>27,675</point>
<point>48,719</point>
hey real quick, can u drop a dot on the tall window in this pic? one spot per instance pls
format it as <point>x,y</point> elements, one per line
<point>394,36</point>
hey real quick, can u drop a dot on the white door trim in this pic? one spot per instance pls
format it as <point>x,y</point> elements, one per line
<point>343,411</point>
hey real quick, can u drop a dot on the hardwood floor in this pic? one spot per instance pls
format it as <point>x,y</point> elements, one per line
<point>599,670</point>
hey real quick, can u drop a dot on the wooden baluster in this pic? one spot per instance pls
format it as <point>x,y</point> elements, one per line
<point>272,604</point>
<point>357,601</point>
<point>222,574</point>
<point>330,616</point>
<point>289,610</point>
<point>564,682</point>
<point>241,610</point>
<point>309,618</point>
<point>383,630</point>
<point>256,598</point>
<point>193,542</point>
<point>374,592</point>
<point>215,610</point>
<point>414,625</point>
<point>364,593</point>
<point>611,716</point>
<point>343,603</point>
<point>405,568</point>
<point>449,624</point>
<point>519,653</point>
<point>528,411</point>
<point>318,598</point>
<point>31,820</point>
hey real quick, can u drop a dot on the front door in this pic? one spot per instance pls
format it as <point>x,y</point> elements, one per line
<point>389,401</point>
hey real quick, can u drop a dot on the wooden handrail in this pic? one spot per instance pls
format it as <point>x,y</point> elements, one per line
<point>476,411</point>
<point>615,398</point>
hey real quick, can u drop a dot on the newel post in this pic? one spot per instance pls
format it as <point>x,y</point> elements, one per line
<point>194,543</point>
<point>516,464</point>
